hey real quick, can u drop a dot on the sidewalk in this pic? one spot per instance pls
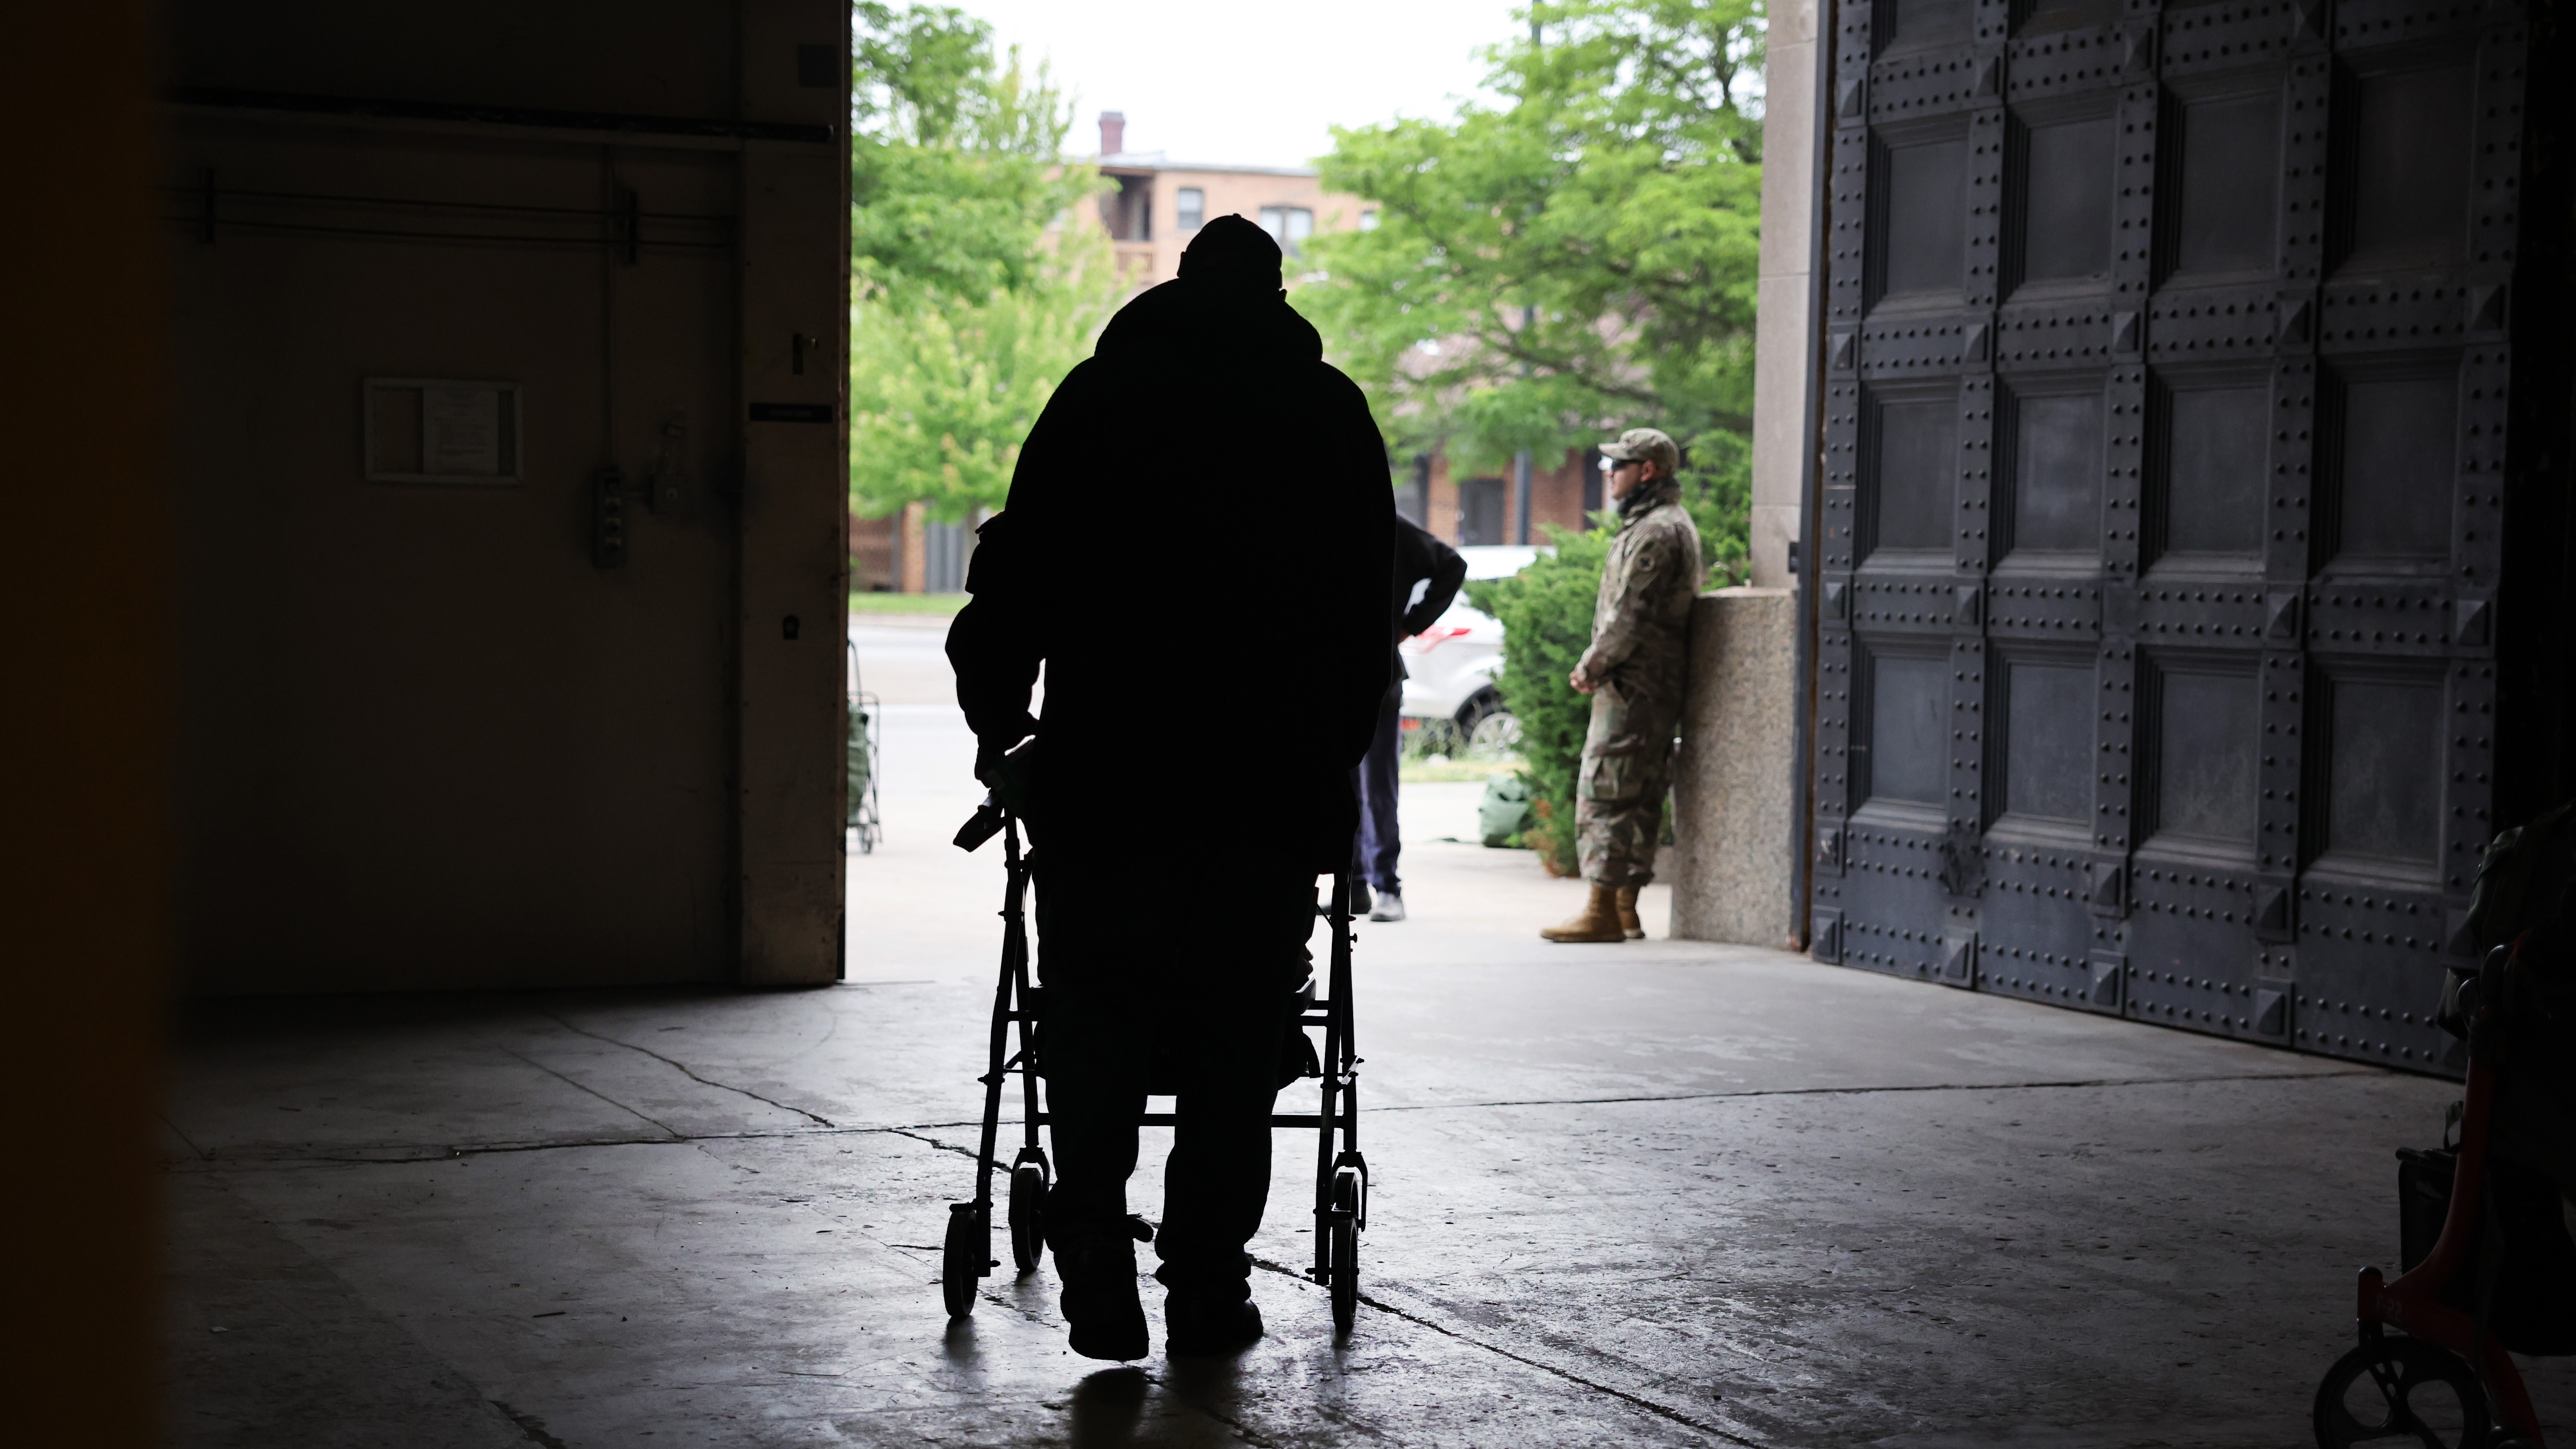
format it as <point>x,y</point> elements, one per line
<point>1655,1193</point>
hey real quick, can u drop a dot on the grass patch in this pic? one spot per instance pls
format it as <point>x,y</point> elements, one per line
<point>907,603</point>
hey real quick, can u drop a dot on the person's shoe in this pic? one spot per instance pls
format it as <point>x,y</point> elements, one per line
<point>1626,901</point>
<point>1195,1324</point>
<point>1599,920</point>
<point>1389,907</point>
<point>1100,1302</point>
<point>1360,903</point>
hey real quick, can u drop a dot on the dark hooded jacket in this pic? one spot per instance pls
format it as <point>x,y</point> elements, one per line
<point>1197,547</point>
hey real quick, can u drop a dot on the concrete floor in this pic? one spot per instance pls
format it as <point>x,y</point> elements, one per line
<point>1656,1193</point>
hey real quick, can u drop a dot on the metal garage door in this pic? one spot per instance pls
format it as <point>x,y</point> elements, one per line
<point>2165,381</point>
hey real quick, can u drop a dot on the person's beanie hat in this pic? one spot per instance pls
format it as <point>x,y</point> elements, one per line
<point>1646,444</point>
<point>1232,255</point>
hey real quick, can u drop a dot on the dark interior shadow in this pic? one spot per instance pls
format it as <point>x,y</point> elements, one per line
<point>233,1020</point>
<point>1107,1407</point>
<point>1210,1383</point>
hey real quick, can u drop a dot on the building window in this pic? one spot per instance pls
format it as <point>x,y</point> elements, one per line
<point>1480,511</point>
<point>1368,219</point>
<point>1288,225</point>
<point>1193,207</point>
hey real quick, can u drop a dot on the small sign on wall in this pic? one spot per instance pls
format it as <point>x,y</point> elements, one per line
<point>432,430</point>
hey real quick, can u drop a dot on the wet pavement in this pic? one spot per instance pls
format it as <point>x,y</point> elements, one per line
<point>1664,1192</point>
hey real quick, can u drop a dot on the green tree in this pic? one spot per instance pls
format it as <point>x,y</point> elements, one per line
<point>941,396</point>
<point>974,294</point>
<point>1717,488</point>
<point>1578,260</point>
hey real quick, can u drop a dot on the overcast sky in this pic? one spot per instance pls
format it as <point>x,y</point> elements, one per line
<point>1207,80</point>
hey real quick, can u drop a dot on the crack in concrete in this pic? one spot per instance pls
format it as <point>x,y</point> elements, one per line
<point>530,1425</point>
<point>1663,1411</point>
<point>390,1155</point>
<point>683,1069</point>
<point>387,1156</point>
<point>184,1137</point>
<point>1873,1091</point>
<point>594,1091</point>
<point>2356,1071</point>
<point>917,1131</point>
<point>969,1152</point>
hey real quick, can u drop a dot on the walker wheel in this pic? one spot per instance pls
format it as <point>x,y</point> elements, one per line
<point>1028,1217</point>
<point>966,1257</point>
<point>2404,1390</point>
<point>1343,1266</point>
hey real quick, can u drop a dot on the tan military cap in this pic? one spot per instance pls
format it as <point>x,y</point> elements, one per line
<point>1645,444</point>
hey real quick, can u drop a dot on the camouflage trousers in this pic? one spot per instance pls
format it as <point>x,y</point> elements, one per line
<point>1619,788</point>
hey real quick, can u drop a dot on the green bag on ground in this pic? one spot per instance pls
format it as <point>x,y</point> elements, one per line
<point>1505,810</point>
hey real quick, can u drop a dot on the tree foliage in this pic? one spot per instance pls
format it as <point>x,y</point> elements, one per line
<point>1615,196</point>
<point>971,299</point>
<point>942,395</point>
<point>1717,490</point>
<point>955,167</point>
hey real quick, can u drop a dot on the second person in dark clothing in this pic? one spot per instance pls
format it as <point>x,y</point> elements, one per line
<point>1269,502</point>
<point>1427,575</point>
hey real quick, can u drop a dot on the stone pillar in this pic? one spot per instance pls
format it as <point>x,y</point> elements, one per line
<point>793,250</point>
<point>1733,825</point>
<point>1781,351</point>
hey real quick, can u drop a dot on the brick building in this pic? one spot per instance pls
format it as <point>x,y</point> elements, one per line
<point>1483,507</point>
<point>1155,205</point>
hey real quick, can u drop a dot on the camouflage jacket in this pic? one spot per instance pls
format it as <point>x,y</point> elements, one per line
<point>1647,584</point>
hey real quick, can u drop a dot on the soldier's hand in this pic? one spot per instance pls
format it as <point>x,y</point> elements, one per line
<point>1583,683</point>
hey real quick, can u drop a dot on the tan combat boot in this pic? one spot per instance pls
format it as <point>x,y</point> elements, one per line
<point>1628,922</point>
<point>1599,921</point>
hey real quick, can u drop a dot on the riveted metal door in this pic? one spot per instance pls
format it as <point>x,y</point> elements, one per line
<point>2165,409</point>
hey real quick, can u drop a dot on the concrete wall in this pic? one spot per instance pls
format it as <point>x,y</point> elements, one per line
<point>1782,353</point>
<point>427,739</point>
<point>1738,835</point>
<point>1733,821</point>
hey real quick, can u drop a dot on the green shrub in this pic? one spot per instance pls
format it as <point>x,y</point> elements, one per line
<point>1717,491</point>
<point>1546,612</point>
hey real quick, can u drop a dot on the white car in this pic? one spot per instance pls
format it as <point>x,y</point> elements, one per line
<point>1451,665</point>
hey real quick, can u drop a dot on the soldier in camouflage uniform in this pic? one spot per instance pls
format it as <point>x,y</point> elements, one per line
<point>1635,672</point>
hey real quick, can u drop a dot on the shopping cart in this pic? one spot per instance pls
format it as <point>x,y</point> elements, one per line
<point>1341,1173</point>
<point>865,746</point>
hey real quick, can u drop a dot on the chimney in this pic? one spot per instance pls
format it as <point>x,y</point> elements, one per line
<point>1113,132</point>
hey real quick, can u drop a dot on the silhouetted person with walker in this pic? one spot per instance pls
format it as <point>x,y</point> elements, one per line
<point>1205,472</point>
